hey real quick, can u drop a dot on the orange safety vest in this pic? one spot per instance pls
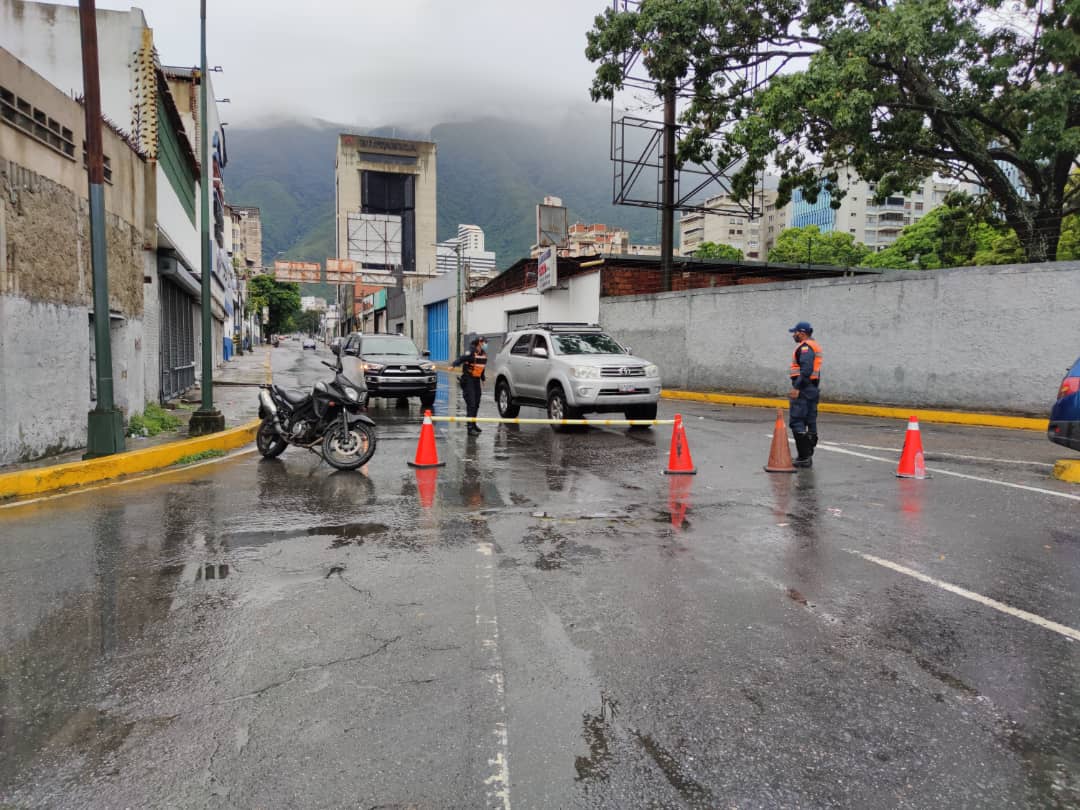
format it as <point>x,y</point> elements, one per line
<point>477,364</point>
<point>796,369</point>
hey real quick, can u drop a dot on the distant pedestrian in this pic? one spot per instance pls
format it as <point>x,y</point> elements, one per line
<point>804,394</point>
<point>473,364</point>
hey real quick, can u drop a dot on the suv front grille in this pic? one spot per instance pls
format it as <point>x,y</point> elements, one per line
<point>622,371</point>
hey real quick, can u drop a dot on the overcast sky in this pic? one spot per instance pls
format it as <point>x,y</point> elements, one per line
<point>377,62</point>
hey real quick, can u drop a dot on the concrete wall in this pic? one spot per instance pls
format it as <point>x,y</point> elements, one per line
<point>46,37</point>
<point>993,338</point>
<point>46,276</point>
<point>580,301</point>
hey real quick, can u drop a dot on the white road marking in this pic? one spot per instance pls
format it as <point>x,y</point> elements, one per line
<point>938,471</point>
<point>1035,619</point>
<point>947,456</point>
<point>498,782</point>
<point>130,480</point>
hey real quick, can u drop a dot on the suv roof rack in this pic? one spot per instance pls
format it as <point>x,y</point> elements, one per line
<point>565,326</point>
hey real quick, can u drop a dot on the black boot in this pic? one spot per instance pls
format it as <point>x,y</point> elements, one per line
<point>805,450</point>
<point>813,442</point>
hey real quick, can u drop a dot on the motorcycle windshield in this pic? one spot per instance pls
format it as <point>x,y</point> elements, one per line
<point>341,379</point>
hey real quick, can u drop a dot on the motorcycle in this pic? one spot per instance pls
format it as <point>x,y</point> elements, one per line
<point>330,418</point>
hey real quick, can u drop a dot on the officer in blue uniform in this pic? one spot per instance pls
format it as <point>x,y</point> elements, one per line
<point>805,381</point>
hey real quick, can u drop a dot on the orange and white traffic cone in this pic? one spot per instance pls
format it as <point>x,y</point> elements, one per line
<point>912,463</point>
<point>679,460</point>
<point>426,453</point>
<point>779,453</point>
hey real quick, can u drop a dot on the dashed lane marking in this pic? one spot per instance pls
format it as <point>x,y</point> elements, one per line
<point>1033,618</point>
<point>497,782</point>
<point>938,471</point>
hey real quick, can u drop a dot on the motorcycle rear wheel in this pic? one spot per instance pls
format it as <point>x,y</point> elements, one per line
<point>349,449</point>
<point>268,442</point>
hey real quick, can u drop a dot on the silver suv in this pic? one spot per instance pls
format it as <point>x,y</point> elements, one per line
<point>572,369</point>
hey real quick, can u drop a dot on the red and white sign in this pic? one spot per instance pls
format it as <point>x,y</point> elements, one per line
<point>546,272</point>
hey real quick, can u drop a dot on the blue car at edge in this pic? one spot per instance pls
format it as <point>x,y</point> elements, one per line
<point>1065,416</point>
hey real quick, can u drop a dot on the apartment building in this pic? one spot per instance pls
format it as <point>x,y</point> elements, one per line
<point>754,236</point>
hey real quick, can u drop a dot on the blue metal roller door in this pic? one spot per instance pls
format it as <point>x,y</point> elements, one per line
<point>438,330</point>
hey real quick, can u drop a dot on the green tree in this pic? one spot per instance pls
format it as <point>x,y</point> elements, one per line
<point>282,299</point>
<point>717,250</point>
<point>963,231</point>
<point>808,245</point>
<point>306,321</point>
<point>981,90</point>
<point>1069,246</point>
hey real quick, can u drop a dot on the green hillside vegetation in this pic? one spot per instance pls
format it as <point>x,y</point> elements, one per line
<point>491,173</point>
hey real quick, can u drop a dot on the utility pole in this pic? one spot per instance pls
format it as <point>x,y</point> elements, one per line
<point>207,419</point>
<point>460,349</point>
<point>105,423</point>
<point>667,214</point>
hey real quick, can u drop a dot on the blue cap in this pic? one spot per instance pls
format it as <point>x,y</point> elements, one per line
<point>802,326</point>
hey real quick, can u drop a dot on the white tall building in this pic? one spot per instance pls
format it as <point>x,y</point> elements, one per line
<point>478,264</point>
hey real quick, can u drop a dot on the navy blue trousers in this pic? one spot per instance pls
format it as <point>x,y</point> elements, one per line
<point>802,412</point>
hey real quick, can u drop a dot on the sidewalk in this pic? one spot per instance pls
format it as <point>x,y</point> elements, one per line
<point>235,395</point>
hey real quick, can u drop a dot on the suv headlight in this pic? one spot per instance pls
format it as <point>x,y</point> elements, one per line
<point>427,366</point>
<point>652,371</point>
<point>586,372</point>
<point>372,366</point>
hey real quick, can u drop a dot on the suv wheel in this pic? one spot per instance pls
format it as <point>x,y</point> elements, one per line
<point>508,409</point>
<point>427,401</point>
<point>558,409</point>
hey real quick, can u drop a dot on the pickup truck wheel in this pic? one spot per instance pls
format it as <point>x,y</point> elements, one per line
<point>558,409</point>
<point>508,409</point>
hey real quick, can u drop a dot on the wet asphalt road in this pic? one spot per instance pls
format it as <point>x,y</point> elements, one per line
<point>550,623</point>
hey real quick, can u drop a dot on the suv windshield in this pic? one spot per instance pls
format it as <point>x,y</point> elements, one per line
<point>388,345</point>
<point>587,343</point>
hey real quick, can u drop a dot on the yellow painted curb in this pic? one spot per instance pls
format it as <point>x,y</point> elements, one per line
<point>881,411</point>
<point>1067,469</point>
<point>79,473</point>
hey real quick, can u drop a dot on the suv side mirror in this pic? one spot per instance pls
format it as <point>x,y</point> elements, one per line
<point>629,350</point>
<point>539,351</point>
<point>336,348</point>
<point>425,353</point>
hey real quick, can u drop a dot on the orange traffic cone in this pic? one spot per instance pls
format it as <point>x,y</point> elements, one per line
<point>425,485</point>
<point>912,463</point>
<point>426,454</point>
<point>679,462</point>
<point>780,453</point>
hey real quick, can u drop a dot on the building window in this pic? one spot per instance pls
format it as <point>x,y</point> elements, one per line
<point>21,114</point>
<point>918,206</point>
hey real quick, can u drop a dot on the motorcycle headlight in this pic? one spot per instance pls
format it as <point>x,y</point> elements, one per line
<point>352,394</point>
<point>652,371</point>
<point>587,372</point>
<point>372,366</point>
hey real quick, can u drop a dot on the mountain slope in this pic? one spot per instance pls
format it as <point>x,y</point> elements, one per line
<point>491,173</point>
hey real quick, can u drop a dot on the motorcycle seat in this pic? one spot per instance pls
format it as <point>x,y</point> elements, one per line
<point>294,397</point>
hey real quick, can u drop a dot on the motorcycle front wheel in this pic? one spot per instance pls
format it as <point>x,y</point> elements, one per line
<point>267,440</point>
<point>351,448</point>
